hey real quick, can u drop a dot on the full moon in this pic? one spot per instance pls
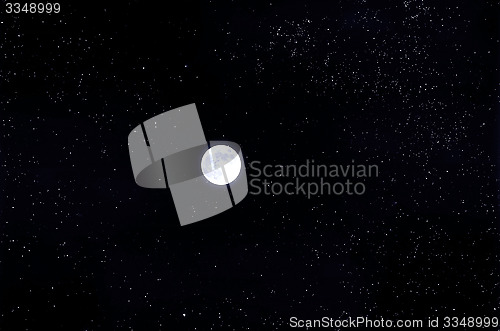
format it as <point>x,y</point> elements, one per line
<point>220,165</point>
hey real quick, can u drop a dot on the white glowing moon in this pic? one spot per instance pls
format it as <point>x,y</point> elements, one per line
<point>220,165</point>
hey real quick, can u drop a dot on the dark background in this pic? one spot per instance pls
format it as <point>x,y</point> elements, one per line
<point>408,85</point>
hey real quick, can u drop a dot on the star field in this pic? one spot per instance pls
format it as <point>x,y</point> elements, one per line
<point>411,86</point>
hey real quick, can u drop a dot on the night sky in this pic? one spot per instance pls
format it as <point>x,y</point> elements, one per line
<point>411,86</point>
